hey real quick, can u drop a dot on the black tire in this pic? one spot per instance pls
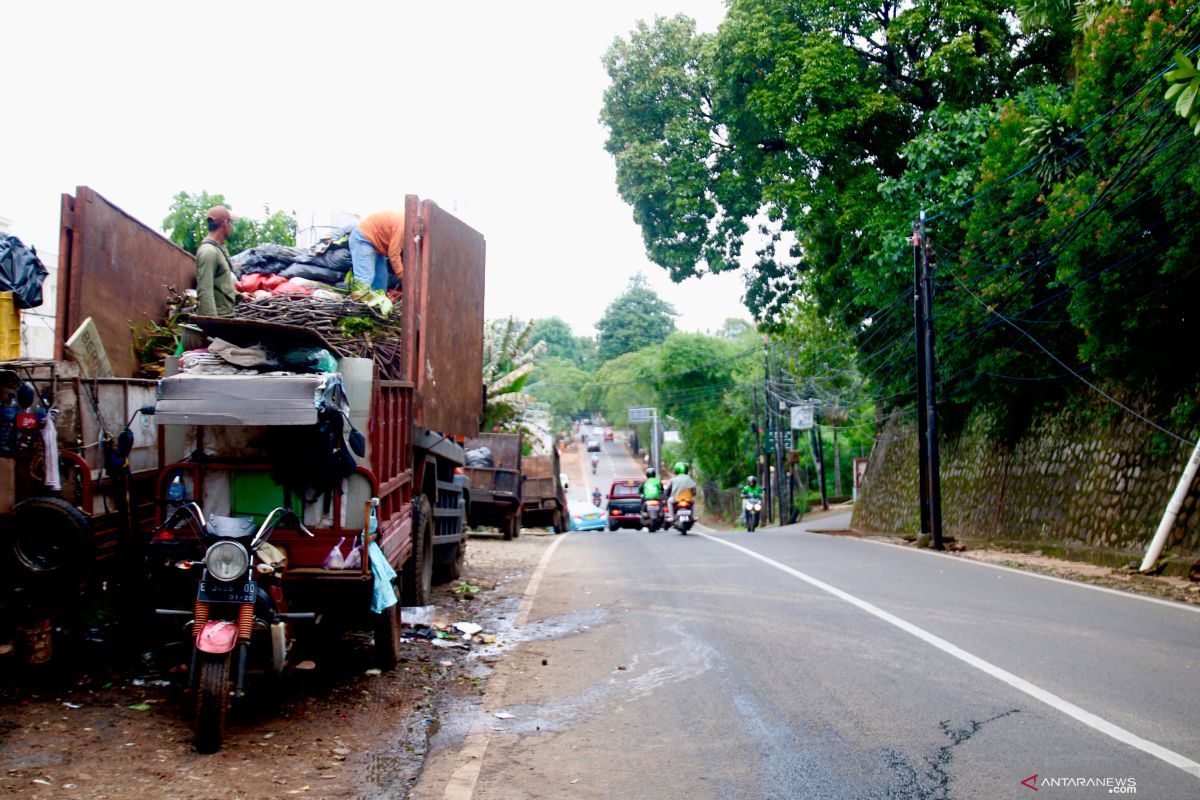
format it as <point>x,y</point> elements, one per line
<point>416,578</point>
<point>50,542</point>
<point>212,702</point>
<point>446,571</point>
<point>655,525</point>
<point>556,523</point>
<point>387,638</point>
<point>612,526</point>
<point>512,528</point>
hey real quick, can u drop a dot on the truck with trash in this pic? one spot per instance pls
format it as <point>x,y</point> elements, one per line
<point>347,408</point>
<point>494,472</point>
<point>543,497</point>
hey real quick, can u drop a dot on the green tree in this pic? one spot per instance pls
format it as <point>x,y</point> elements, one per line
<point>559,383</point>
<point>185,225</point>
<point>637,318</point>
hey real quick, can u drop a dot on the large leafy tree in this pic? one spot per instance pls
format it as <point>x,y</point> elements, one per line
<point>185,225</point>
<point>638,317</point>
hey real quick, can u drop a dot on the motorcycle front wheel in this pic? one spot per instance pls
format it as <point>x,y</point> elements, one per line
<point>212,702</point>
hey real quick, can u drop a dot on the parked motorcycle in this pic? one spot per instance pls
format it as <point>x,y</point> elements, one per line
<point>239,596</point>
<point>652,515</point>
<point>751,512</point>
<point>683,518</point>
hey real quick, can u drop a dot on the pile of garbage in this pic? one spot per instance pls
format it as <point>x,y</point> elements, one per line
<point>276,269</point>
<point>364,328</point>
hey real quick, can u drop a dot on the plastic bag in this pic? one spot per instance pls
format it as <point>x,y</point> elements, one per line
<point>383,595</point>
<point>310,359</point>
<point>335,559</point>
<point>354,559</point>
<point>21,272</point>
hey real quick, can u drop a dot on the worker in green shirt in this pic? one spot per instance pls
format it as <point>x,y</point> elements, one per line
<point>216,293</point>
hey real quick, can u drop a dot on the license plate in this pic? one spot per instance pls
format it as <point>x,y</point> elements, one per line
<point>221,592</point>
<point>685,514</point>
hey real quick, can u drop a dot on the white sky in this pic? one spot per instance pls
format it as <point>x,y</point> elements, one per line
<point>488,108</point>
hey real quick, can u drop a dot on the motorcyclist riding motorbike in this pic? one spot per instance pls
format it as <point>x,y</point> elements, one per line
<point>682,487</point>
<point>651,489</point>
<point>595,462</point>
<point>596,497</point>
<point>752,495</point>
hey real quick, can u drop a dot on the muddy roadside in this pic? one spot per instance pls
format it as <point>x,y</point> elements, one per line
<point>102,729</point>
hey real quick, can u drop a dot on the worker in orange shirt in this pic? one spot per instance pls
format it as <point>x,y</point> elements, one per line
<point>375,244</point>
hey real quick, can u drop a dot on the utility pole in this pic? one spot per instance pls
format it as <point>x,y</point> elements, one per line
<point>767,416</point>
<point>922,420</point>
<point>821,466</point>
<point>931,442</point>
<point>779,444</point>
<point>755,429</point>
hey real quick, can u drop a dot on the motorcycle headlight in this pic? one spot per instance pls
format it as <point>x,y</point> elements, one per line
<point>226,561</point>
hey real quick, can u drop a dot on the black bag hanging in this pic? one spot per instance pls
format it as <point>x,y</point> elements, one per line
<point>21,272</point>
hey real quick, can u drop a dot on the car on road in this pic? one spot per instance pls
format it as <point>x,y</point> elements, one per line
<point>625,504</point>
<point>585,516</point>
<point>608,434</point>
<point>593,446</point>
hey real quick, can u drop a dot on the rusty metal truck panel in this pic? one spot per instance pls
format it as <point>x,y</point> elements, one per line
<point>448,371</point>
<point>115,270</point>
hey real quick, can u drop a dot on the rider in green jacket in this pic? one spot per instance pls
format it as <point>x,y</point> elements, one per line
<point>752,489</point>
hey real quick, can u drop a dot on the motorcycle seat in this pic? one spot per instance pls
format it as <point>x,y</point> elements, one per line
<point>231,527</point>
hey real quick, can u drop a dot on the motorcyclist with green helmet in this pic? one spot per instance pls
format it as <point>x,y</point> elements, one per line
<point>683,488</point>
<point>752,489</point>
<point>651,489</point>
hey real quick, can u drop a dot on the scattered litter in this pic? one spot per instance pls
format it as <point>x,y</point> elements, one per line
<point>503,715</point>
<point>374,671</point>
<point>446,663</point>
<point>306,665</point>
<point>341,751</point>
<point>140,707</point>
<point>72,705</point>
<point>42,781</point>
<point>138,682</point>
<point>443,635</point>
<point>469,628</point>
<point>622,667</point>
<point>486,638</point>
<point>467,588</point>
<point>69,786</point>
<point>269,735</point>
<point>448,643</point>
<point>575,781</point>
<point>417,615</point>
<point>545,661</point>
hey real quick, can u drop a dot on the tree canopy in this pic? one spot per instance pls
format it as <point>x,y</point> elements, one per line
<point>638,317</point>
<point>185,225</point>
<point>1055,178</point>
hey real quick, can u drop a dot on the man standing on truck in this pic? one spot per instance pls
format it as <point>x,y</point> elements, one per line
<point>216,293</point>
<point>375,242</point>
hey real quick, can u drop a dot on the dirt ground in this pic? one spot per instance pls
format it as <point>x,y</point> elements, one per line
<point>341,730</point>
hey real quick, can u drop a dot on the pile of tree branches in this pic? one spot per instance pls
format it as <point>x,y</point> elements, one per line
<point>352,328</point>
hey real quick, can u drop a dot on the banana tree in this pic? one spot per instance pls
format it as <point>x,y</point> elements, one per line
<point>507,362</point>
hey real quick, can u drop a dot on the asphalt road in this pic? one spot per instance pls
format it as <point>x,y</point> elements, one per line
<point>785,664</point>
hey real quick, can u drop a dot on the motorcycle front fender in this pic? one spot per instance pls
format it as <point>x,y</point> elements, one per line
<point>217,637</point>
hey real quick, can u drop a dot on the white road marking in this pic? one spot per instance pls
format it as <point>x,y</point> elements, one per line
<point>1175,604</point>
<point>1020,684</point>
<point>461,785</point>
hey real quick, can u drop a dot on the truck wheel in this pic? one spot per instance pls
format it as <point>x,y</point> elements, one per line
<point>212,702</point>
<point>451,570</point>
<point>416,579</point>
<point>556,524</point>
<point>50,541</point>
<point>512,528</point>
<point>612,526</point>
<point>387,638</point>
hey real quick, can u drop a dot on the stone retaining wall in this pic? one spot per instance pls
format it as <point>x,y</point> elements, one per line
<point>1068,484</point>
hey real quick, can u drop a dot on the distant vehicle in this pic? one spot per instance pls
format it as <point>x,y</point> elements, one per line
<point>608,434</point>
<point>593,446</point>
<point>625,504</point>
<point>585,516</point>
<point>562,477</point>
<point>598,431</point>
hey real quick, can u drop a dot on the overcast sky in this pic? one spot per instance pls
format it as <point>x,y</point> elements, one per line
<point>488,108</point>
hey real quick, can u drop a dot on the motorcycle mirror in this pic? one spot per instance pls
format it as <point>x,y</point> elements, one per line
<point>26,394</point>
<point>183,565</point>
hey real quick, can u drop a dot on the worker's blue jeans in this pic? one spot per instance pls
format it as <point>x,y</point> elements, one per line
<point>369,267</point>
